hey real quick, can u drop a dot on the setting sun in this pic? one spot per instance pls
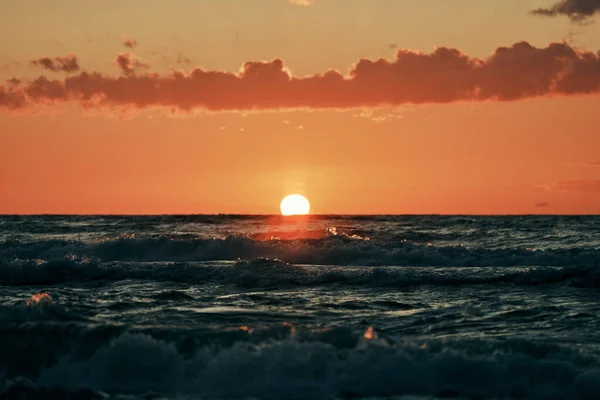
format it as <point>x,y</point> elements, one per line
<point>295,204</point>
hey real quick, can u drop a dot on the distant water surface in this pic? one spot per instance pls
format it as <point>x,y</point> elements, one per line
<point>264,307</point>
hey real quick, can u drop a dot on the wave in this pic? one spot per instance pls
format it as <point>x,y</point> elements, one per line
<point>22,312</point>
<point>266,273</point>
<point>337,250</point>
<point>295,368</point>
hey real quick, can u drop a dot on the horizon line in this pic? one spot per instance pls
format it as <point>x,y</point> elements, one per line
<point>296,216</point>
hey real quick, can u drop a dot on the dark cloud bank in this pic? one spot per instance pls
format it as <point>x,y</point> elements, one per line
<point>446,75</point>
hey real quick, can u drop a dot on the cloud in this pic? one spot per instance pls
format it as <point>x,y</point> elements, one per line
<point>378,116</point>
<point>11,98</point>
<point>586,187</point>
<point>577,10</point>
<point>541,205</point>
<point>302,2</point>
<point>181,59</point>
<point>129,63</point>
<point>130,43</point>
<point>443,76</point>
<point>66,63</point>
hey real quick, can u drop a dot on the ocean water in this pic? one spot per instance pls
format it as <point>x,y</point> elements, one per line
<point>228,307</point>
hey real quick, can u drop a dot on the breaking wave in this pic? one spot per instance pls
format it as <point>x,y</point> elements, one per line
<point>40,307</point>
<point>301,368</point>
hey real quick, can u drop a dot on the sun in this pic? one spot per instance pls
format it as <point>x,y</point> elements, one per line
<point>295,204</point>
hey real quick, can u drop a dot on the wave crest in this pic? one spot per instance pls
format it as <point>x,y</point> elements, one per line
<point>265,273</point>
<point>336,249</point>
<point>136,363</point>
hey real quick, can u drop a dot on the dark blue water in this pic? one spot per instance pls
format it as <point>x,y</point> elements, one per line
<point>223,307</point>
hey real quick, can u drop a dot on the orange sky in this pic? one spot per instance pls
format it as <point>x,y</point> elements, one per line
<point>473,130</point>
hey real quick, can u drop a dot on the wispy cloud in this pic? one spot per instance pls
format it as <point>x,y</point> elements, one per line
<point>66,63</point>
<point>588,187</point>
<point>129,64</point>
<point>577,10</point>
<point>181,59</point>
<point>130,43</point>
<point>380,116</point>
<point>302,2</point>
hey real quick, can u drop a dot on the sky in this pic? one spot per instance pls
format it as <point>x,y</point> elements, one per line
<point>363,106</point>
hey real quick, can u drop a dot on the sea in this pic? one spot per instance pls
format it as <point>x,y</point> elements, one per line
<point>314,307</point>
